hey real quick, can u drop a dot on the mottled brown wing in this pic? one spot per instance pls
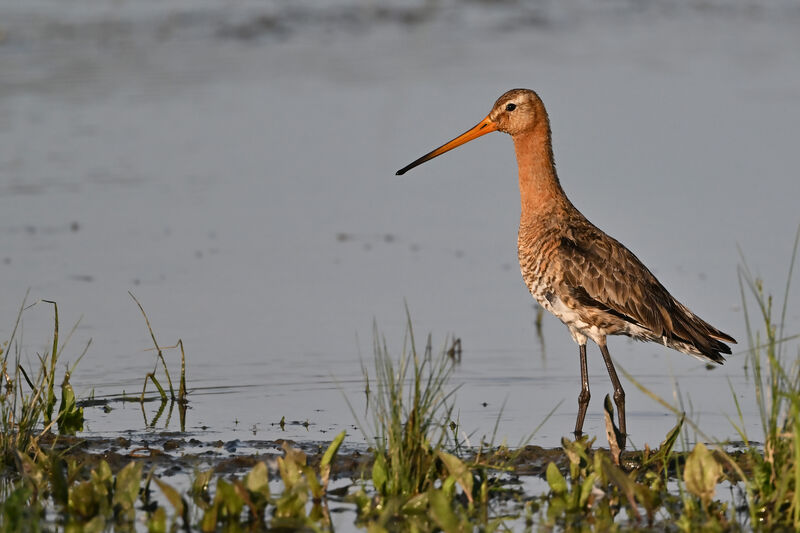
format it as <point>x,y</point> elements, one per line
<point>600,273</point>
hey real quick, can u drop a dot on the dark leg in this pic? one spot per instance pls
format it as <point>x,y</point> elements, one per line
<point>583,397</point>
<point>619,394</point>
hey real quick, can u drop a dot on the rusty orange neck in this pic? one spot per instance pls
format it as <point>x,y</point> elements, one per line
<point>540,191</point>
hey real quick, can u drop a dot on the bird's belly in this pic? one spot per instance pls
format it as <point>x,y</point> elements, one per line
<point>541,281</point>
<point>563,312</point>
<point>579,326</point>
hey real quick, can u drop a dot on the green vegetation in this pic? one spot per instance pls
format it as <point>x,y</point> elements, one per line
<point>773,489</point>
<point>417,474</point>
<point>418,482</point>
<point>27,405</point>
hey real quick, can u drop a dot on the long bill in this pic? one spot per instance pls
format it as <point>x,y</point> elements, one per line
<point>482,128</point>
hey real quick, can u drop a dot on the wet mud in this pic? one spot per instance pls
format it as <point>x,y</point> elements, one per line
<point>169,454</point>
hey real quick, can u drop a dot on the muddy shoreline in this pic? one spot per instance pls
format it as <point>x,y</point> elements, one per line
<point>172,453</point>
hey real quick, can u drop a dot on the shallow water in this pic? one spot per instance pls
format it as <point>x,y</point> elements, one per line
<point>233,166</point>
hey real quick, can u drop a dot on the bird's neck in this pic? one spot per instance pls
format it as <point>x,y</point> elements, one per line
<point>540,191</point>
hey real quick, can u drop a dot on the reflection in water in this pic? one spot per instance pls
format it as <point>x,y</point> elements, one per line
<point>540,334</point>
<point>162,404</point>
<point>454,351</point>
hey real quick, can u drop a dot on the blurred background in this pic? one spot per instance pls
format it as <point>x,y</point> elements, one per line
<point>232,164</point>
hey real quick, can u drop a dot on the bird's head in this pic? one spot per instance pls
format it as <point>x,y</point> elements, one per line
<point>516,111</point>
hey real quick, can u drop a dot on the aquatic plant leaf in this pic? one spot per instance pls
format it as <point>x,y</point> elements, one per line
<point>70,416</point>
<point>586,489</point>
<point>318,515</point>
<point>417,504</point>
<point>333,448</point>
<point>290,466</point>
<point>361,500</point>
<point>14,510</point>
<point>102,483</point>
<point>379,475</point>
<point>556,508</point>
<point>701,473</point>
<point>291,504</point>
<point>50,375</point>
<point>762,473</point>
<point>617,477</point>
<point>126,489</point>
<point>313,482</point>
<point>58,482</point>
<point>95,525</point>
<point>256,510</point>
<point>157,521</point>
<point>230,504</point>
<point>459,471</point>
<point>648,498</point>
<point>209,521</point>
<point>102,473</point>
<point>327,458</point>
<point>672,436</point>
<point>448,486</point>
<point>554,478</point>
<point>30,469</point>
<point>82,501</point>
<point>442,511</point>
<point>199,489</point>
<point>257,482</point>
<point>665,448</point>
<point>173,497</point>
<point>576,451</point>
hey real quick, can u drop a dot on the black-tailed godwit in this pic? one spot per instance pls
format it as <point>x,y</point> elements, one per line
<point>590,281</point>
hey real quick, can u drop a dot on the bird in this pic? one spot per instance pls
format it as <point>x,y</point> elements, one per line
<point>587,279</point>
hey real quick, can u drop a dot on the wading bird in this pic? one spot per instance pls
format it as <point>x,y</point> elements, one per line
<point>590,281</point>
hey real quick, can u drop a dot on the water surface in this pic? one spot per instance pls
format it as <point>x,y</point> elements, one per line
<point>233,166</point>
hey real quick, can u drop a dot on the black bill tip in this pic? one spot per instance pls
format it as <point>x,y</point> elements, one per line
<point>418,162</point>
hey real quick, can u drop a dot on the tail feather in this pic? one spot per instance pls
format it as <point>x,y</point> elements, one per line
<point>695,336</point>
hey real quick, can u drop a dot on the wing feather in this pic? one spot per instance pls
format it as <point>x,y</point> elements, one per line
<point>602,274</point>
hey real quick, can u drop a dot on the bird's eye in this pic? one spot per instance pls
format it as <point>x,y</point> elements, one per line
<point>511,107</point>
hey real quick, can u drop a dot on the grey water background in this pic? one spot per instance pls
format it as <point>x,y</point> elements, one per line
<point>232,164</point>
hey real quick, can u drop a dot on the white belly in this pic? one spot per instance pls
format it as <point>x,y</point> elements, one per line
<point>579,328</point>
